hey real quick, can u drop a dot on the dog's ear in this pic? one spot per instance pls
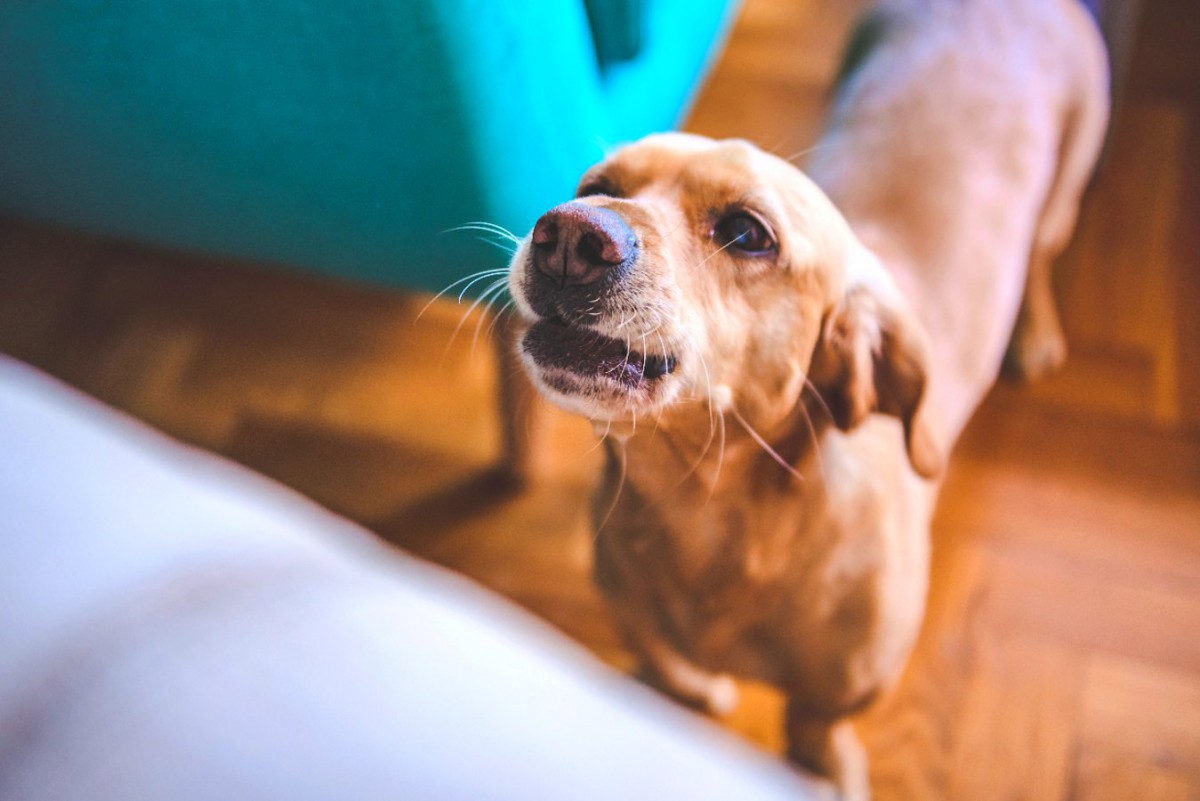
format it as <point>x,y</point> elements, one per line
<point>873,357</point>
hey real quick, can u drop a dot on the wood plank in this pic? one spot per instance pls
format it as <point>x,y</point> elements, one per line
<point>912,734</point>
<point>1103,777</point>
<point>1111,613</point>
<point>1115,284</point>
<point>1187,277</point>
<point>983,712</point>
<point>1088,526</point>
<point>1015,736</point>
<point>1143,711</point>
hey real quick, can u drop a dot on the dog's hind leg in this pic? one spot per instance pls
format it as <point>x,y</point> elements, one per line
<point>1038,347</point>
<point>830,749</point>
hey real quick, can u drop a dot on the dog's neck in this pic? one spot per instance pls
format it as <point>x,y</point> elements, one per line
<point>715,511</point>
<point>709,451</point>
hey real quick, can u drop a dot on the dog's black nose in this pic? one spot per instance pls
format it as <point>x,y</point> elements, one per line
<point>576,244</point>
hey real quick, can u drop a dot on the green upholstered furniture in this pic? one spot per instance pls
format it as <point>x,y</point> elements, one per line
<point>340,136</point>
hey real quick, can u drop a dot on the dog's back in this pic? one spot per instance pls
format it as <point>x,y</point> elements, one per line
<point>963,134</point>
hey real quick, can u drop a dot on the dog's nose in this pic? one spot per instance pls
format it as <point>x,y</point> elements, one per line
<point>577,244</point>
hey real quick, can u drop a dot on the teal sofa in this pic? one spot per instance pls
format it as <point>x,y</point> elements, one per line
<point>345,137</point>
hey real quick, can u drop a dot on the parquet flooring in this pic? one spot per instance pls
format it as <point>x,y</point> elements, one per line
<point>1061,655</point>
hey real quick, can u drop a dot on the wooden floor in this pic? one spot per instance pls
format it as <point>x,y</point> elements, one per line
<point>1061,656</point>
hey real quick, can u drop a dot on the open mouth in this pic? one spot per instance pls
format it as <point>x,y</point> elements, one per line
<point>585,353</point>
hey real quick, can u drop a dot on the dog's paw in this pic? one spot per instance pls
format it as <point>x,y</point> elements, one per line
<point>830,752</point>
<point>851,772</point>
<point>707,693</point>
<point>722,696</point>
<point>1035,351</point>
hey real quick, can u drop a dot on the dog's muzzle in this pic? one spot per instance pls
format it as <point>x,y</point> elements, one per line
<point>578,263</point>
<point>578,252</point>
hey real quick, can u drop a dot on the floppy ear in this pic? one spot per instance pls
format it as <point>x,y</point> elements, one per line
<point>873,357</point>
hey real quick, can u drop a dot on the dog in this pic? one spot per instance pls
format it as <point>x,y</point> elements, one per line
<point>779,361</point>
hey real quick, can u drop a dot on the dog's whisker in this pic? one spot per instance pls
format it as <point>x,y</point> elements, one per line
<point>499,238</point>
<point>720,457</point>
<point>712,431</point>
<point>672,231</point>
<point>500,244</point>
<point>801,154</point>
<point>495,286</point>
<point>484,313</point>
<point>486,227</point>
<point>657,421</point>
<point>600,439</point>
<point>708,393</point>
<point>730,243</point>
<point>628,353</point>
<point>473,278</point>
<point>812,429</point>
<point>499,313</point>
<point>764,444</point>
<point>774,149</point>
<point>720,418</point>
<point>661,344</point>
<point>812,435</point>
<point>653,330</point>
<point>817,394</point>
<point>619,450</point>
<point>488,312</point>
<point>467,288</point>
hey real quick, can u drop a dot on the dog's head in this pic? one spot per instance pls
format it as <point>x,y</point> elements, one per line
<point>690,273</point>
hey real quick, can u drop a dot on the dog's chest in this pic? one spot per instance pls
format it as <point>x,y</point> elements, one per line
<point>708,573</point>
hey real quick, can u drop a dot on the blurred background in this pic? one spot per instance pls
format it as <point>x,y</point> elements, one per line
<point>1061,656</point>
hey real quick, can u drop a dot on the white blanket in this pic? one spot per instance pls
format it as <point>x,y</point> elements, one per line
<point>173,626</point>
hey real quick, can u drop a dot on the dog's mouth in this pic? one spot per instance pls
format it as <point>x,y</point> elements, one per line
<point>575,360</point>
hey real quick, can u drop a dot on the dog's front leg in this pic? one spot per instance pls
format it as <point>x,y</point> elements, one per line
<point>829,748</point>
<point>662,666</point>
<point>669,671</point>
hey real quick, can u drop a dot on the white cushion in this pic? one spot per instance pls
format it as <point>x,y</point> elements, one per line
<point>173,626</point>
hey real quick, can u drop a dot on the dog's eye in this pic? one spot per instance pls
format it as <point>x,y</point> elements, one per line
<point>597,186</point>
<point>743,232</point>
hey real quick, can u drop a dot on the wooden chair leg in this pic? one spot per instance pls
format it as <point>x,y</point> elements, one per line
<point>518,405</point>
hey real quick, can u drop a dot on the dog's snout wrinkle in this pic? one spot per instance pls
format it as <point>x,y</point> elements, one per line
<point>577,244</point>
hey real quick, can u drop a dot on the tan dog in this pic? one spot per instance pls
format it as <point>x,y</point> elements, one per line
<point>731,333</point>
